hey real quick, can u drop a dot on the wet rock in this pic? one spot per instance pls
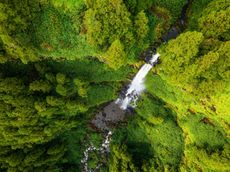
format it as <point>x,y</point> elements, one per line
<point>110,115</point>
<point>173,33</point>
<point>130,110</point>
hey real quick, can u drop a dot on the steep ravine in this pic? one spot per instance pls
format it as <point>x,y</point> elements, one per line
<point>116,112</point>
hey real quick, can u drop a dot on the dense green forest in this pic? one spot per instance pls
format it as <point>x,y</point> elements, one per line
<point>61,61</point>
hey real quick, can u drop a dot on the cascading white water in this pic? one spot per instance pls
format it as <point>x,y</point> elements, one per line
<point>137,85</point>
<point>135,89</point>
<point>103,149</point>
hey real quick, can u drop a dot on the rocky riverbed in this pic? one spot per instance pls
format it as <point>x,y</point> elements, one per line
<point>109,116</point>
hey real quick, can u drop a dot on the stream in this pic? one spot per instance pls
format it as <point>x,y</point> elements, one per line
<point>115,112</point>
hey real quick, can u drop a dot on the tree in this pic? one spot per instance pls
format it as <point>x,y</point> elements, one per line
<point>179,54</point>
<point>28,105</point>
<point>213,68</point>
<point>115,56</point>
<point>12,24</point>
<point>135,6</point>
<point>174,7</point>
<point>184,64</point>
<point>43,86</point>
<point>81,87</point>
<point>106,21</point>
<point>141,26</point>
<point>196,158</point>
<point>44,157</point>
<point>121,160</point>
<point>215,21</point>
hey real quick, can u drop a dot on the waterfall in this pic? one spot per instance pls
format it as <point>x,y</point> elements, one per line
<point>131,96</point>
<point>137,85</point>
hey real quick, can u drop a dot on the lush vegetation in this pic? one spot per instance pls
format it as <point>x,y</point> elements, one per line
<point>62,60</point>
<point>181,123</point>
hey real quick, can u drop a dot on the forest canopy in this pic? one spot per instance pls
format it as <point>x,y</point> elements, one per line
<point>62,61</point>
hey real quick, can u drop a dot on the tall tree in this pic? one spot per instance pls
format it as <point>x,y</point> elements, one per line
<point>141,26</point>
<point>215,21</point>
<point>115,56</point>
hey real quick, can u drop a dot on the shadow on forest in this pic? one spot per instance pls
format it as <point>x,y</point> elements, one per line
<point>153,135</point>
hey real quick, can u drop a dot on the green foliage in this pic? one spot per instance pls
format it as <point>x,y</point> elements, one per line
<point>186,131</point>
<point>27,116</point>
<point>98,94</point>
<point>203,133</point>
<point>110,28</point>
<point>159,132</point>
<point>77,140</point>
<point>198,159</point>
<point>60,89</point>
<point>69,6</point>
<point>90,70</point>
<point>215,21</point>
<point>184,65</point>
<point>81,87</point>
<point>30,106</point>
<point>136,6</point>
<point>121,160</point>
<point>57,30</point>
<point>60,78</point>
<point>48,101</point>
<point>179,54</point>
<point>153,138</point>
<point>14,24</point>
<point>13,50</point>
<point>196,11</point>
<point>200,82</point>
<point>107,21</point>
<point>162,22</point>
<point>39,28</point>
<point>56,34</point>
<point>141,25</point>
<point>41,85</point>
<point>173,6</point>
<point>45,100</point>
<point>115,56</point>
<point>39,158</point>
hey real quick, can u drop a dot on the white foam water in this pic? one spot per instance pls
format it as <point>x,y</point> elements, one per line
<point>137,85</point>
<point>103,149</point>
